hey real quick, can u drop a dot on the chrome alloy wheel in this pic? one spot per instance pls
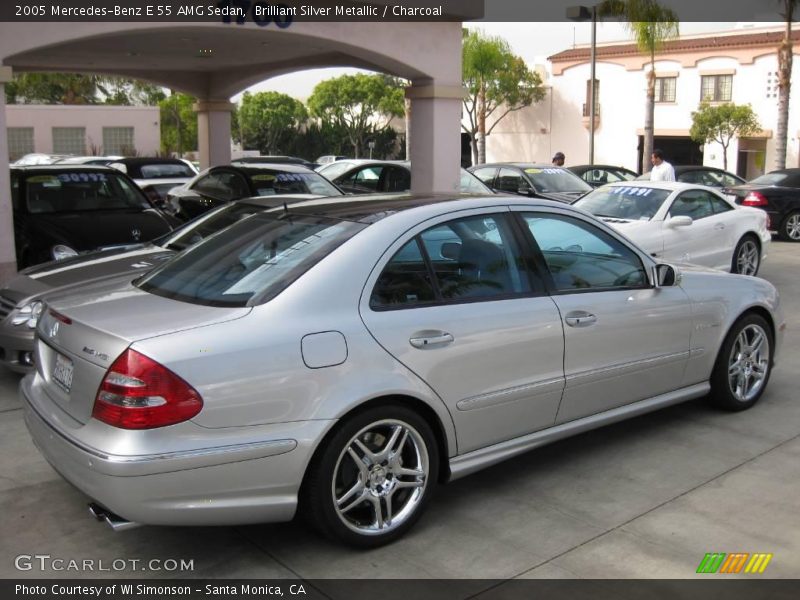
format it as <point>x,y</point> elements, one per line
<point>748,363</point>
<point>747,258</point>
<point>792,226</point>
<point>380,477</point>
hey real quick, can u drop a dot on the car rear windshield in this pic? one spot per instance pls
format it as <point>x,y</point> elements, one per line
<point>81,191</point>
<point>163,171</point>
<point>205,225</point>
<point>770,179</point>
<point>553,179</point>
<point>250,262</point>
<point>268,183</point>
<point>621,202</point>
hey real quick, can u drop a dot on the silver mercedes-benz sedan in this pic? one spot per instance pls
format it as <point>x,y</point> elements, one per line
<point>345,357</point>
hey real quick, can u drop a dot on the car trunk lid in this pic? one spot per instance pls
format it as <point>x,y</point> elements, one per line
<point>80,336</point>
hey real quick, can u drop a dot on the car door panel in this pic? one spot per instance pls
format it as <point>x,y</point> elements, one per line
<point>634,349</point>
<point>496,362</point>
<point>624,342</point>
<point>705,241</point>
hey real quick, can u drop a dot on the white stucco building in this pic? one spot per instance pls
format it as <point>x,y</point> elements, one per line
<point>739,66</point>
<point>81,129</point>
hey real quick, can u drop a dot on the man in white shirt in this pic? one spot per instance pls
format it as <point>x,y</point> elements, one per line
<point>662,170</point>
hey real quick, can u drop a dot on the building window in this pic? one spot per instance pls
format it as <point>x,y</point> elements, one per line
<point>587,107</point>
<point>716,88</point>
<point>118,140</point>
<point>69,140</point>
<point>665,89</point>
<point>20,142</point>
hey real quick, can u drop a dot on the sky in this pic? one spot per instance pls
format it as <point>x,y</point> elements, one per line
<point>534,42</point>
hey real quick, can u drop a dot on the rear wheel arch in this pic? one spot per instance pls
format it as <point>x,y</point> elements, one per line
<point>325,470</point>
<point>422,408</point>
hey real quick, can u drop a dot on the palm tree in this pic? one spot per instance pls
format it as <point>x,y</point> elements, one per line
<point>784,84</point>
<point>651,25</point>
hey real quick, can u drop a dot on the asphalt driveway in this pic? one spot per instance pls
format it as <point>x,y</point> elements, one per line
<point>647,498</point>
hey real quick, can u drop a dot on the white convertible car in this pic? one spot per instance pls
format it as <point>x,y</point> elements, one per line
<point>681,222</point>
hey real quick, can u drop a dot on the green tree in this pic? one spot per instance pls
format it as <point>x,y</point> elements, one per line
<point>178,124</point>
<point>784,83</point>
<point>360,104</point>
<point>651,25</point>
<point>267,120</point>
<point>79,88</point>
<point>498,82</point>
<point>722,123</point>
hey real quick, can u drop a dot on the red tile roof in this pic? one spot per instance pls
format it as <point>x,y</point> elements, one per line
<point>720,42</point>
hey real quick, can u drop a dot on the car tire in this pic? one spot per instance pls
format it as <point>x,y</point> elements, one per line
<point>372,477</point>
<point>790,227</point>
<point>746,256</point>
<point>743,365</point>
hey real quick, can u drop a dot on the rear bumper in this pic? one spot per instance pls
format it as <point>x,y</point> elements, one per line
<point>214,483</point>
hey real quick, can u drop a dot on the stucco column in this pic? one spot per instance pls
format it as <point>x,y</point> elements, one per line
<point>436,131</point>
<point>8,255</point>
<point>213,132</point>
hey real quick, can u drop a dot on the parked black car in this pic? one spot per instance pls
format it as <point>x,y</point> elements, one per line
<point>597,175</point>
<point>700,175</point>
<point>535,180</point>
<point>222,184</point>
<point>778,193</point>
<point>366,176</point>
<point>62,210</point>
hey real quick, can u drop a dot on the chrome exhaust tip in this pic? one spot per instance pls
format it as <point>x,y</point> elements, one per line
<point>116,522</point>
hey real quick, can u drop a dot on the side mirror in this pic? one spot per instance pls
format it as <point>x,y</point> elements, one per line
<point>524,190</point>
<point>666,276</point>
<point>680,221</point>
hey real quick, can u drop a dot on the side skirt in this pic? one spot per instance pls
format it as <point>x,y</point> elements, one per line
<point>476,460</point>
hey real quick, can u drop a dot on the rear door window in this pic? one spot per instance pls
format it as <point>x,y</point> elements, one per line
<point>471,258</point>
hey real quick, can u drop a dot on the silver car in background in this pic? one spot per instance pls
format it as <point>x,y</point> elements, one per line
<point>344,356</point>
<point>22,298</point>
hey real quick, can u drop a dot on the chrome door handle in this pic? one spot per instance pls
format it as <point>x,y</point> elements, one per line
<point>580,319</point>
<point>432,341</point>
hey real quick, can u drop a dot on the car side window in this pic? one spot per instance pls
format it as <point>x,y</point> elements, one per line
<point>365,179</point>
<point>729,180</point>
<point>222,185</point>
<point>486,175</point>
<point>470,258</point>
<point>509,180</point>
<point>719,205</point>
<point>694,203</point>
<point>395,179</point>
<point>581,256</point>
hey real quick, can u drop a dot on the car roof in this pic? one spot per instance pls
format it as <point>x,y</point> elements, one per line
<point>64,167</point>
<point>664,185</point>
<point>144,160</point>
<point>370,208</point>
<point>588,167</point>
<point>520,165</point>
<point>253,167</point>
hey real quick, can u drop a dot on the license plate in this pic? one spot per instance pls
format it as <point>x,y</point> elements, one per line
<point>62,372</point>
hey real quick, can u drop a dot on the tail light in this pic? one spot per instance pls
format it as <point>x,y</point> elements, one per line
<point>139,393</point>
<point>755,199</point>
